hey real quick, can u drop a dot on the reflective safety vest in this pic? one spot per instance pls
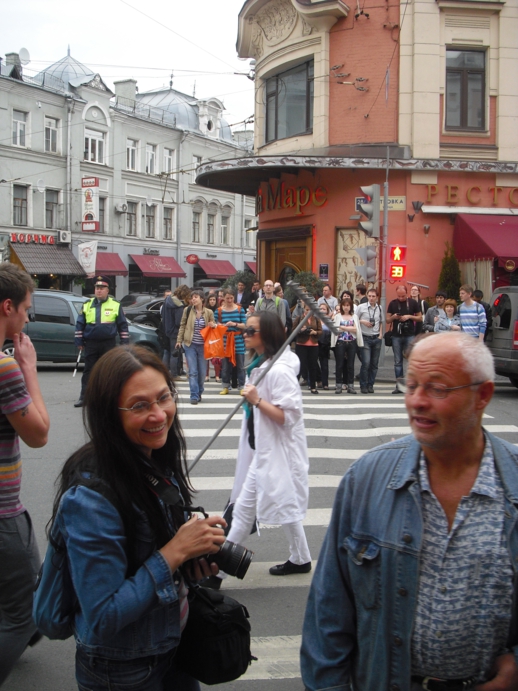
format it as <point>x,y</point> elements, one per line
<point>109,311</point>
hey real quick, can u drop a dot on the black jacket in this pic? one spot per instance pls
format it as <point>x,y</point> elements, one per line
<point>172,312</point>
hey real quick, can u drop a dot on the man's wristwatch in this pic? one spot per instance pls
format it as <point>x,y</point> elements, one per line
<point>256,405</point>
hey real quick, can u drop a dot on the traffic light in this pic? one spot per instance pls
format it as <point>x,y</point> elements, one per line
<point>397,262</point>
<point>372,210</point>
<point>368,270</point>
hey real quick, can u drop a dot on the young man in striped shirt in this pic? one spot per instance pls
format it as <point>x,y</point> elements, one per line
<point>473,318</point>
<point>22,414</point>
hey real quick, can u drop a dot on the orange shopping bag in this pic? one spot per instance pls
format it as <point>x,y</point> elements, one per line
<point>213,341</point>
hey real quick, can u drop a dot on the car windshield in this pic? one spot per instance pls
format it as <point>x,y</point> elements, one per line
<point>78,306</point>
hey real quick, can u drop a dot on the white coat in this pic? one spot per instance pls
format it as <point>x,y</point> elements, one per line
<point>280,458</point>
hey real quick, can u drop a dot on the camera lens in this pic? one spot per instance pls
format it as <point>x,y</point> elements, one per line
<point>232,559</point>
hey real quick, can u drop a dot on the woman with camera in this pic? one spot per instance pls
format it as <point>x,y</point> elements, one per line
<point>127,551</point>
<point>195,318</point>
<point>271,480</point>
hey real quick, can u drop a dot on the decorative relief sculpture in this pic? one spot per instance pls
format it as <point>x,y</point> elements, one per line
<point>277,21</point>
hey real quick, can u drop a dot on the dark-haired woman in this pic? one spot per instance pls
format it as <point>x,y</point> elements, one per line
<point>212,304</point>
<point>126,549</point>
<point>195,318</point>
<point>271,481</point>
<point>345,345</point>
<point>306,347</point>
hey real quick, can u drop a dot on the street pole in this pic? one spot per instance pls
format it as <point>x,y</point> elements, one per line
<point>384,256</point>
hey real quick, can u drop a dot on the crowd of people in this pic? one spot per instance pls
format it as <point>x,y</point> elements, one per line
<point>415,586</point>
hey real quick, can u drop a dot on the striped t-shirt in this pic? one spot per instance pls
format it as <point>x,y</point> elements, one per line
<point>13,397</point>
<point>473,319</point>
<point>238,316</point>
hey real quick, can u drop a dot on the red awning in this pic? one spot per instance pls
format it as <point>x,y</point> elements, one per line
<point>486,237</point>
<point>252,266</point>
<point>110,264</point>
<point>217,268</point>
<point>158,267</point>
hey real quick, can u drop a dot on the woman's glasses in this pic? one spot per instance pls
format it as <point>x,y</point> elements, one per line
<point>250,331</point>
<point>165,401</point>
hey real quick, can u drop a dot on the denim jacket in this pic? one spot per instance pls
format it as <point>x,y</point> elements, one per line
<point>360,613</point>
<point>118,617</point>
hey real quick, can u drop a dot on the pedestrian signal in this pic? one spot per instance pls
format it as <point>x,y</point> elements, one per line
<point>397,267</point>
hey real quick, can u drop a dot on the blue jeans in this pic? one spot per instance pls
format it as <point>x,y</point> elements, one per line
<point>400,345</point>
<point>226,371</point>
<point>370,357</point>
<point>154,673</point>
<point>169,361</point>
<point>197,369</point>
<point>19,565</point>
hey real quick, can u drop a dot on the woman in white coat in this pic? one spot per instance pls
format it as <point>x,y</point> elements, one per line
<point>271,481</point>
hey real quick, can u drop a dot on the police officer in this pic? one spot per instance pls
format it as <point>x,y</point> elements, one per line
<point>96,329</point>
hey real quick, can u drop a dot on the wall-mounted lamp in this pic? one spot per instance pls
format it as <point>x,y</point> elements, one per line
<point>426,230</point>
<point>417,206</point>
<point>411,217</point>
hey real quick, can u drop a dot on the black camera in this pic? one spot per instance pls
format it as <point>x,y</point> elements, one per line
<point>177,351</point>
<point>372,321</point>
<point>232,559</point>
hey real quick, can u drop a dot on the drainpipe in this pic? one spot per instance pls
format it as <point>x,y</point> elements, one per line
<point>243,231</point>
<point>69,165</point>
<point>179,203</point>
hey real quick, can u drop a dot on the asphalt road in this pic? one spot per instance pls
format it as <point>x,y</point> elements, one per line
<point>339,429</point>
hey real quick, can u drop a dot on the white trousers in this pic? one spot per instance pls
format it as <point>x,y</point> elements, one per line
<point>244,516</point>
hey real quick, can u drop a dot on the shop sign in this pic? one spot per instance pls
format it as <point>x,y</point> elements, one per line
<point>280,196</point>
<point>90,204</point>
<point>394,203</point>
<point>33,237</point>
<point>323,272</point>
<point>451,194</point>
<point>149,250</point>
<point>212,255</point>
<point>192,259</point>
<point>510,265</point>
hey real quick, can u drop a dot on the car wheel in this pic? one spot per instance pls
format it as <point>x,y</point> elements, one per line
<point>148,323</point>
<point>8,349</point>
<point>514,381</point>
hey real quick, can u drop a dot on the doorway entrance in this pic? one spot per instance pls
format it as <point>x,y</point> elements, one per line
<point>285,252</point>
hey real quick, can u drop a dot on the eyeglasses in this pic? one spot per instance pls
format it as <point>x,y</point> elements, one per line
<point>268,285</point>
<point>250,331</point>
<point>165,401</point>
<point>431,389</point>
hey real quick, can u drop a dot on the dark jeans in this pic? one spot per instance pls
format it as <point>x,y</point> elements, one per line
<point>400,345</point>
<point>153,673</point>
<point>370,357</point>
<point>308,356</point>
<point>345,351</point>
<point>169,361</point>
<point>93,351</point>
<point>19,566</point>
<point>226,371</point>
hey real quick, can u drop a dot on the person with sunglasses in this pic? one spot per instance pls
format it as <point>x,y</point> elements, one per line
<point>127,551</point>
<point>416,586</point>
<point>271,480</point>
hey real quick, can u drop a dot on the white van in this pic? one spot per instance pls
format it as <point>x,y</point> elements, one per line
<point>502,337</point>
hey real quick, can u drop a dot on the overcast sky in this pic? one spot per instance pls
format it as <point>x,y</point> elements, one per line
<point>194,38</point>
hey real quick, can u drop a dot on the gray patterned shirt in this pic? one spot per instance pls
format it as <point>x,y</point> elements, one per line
<point>464,599</point>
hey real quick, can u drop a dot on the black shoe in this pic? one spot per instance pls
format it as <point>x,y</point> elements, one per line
<point>79,403</point>
<point>314,391</point>
<point>194,401</point>
<point>212,582</point>
<point>288,568</point>
<point>396,390</point>
<point>370,389</point>
<point>364,390</point>
<point>351,390</point>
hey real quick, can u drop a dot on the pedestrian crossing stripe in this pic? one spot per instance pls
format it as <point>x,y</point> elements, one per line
<point>315,453</point>
<point>337,417</point>
<point>258,576</point>
<point>226,483</point>
<point>278,657</point>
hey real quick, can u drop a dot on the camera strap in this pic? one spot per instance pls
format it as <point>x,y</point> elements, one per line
<point>169,493</point>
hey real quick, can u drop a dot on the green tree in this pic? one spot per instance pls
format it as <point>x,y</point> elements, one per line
<point>247,277</point>
<point>309,280</point>
<point>449,278</point>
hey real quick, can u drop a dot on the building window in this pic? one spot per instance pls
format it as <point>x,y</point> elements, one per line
<point>196,161</point>
<point>168,223</point>
<point>94,146</point>
<point>19,127</point>
<point>465,89</point>
<point>51,135</point>
<point>148,220</point>
<point>102,212</point>
<point>210,229</point>
<point>196,226</point>
<point>19,205</point>
<point>131,154</point>
<point>289,103</point>
<point>225,222</point>
<point>51,208</point>
<point>168,160</point>
<point>131,219</point>
<point>150,158</point>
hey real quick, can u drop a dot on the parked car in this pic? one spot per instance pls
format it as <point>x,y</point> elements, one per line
<point>135,298</point>
<point>502,337</point>
<point>204,283</point>
<point>146,313</point>
<point>52,327</point>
